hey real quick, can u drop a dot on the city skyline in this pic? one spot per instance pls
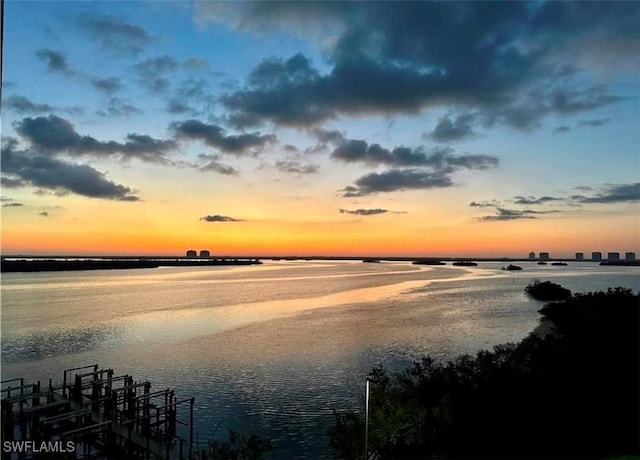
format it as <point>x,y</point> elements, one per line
<point>321,128</point>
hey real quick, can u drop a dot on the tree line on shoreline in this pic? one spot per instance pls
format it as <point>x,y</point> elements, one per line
<point>572,392</point>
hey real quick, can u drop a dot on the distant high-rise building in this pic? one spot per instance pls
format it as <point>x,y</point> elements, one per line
<point>613,256</point>
<point>544,256</point>
<point>630,256</point>
<point>191,253</point>
<point>596,256</point>
<point>579,256</point>
<point>532,255</point>
<point>204,253</point>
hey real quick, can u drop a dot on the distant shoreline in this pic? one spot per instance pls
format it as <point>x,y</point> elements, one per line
<point>24,263</point>
<point>46,265</point>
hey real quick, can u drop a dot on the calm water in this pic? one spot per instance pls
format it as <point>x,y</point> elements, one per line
<point>270,349</point>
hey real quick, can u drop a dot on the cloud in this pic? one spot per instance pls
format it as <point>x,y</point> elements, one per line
<point>151,68</point>
<point>575,101</point>
<point>561,129</point>
<point>484,204</point>
<point>218,218</point>
<point>440,158</point>
<point>604,194</point>
<point>215,136</point>
<point>22,105</point>
<point>8,182</point>
<point>397,179</point>
<point>327,136</point>
<point>177,107</point>
<point>296,167</point>
<point>12,205</point>
<point>38,170</point>
<point>369,212</point>
<point>56,61</point>
<point>108,85</point>
<point>612,193</point>
<point>402,58</point>
<point>448,130</point>
<point>512,214</point>
<point>43,214</point>
<point>57,135</point>
<point>191,96</point>
<point>115,34</point>
<point>594,123</point>
<point>529,200</point>
<point>212,164</point>
<point>196,63</point>
<point>117,107</point>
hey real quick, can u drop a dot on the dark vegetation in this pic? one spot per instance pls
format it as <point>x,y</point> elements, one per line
<point>546,290</point>
<point>42,265</point>
<point>570,394</point>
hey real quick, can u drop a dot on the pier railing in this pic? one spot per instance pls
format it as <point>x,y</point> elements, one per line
<point>93,414</point>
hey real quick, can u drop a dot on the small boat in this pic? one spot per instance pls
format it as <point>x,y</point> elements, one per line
<point>464,263</point>
<point>542,263</point>
<point>559,264</point>
<point>511,267</point>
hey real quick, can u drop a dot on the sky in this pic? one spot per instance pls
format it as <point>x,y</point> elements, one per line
<point>320,128</point>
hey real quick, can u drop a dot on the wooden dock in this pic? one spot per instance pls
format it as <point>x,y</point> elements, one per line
<point>101,415</point>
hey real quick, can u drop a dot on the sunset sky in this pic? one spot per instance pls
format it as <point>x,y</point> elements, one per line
<point>328,128</point>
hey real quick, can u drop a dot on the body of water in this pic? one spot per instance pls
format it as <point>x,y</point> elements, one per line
<point>271,349</point>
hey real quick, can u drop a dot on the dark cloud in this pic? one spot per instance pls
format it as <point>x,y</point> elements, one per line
<point>38,170</point>
<point>605,194</point>
<point>56,135</point>
<point>215,136</point>
<point>404,57</point>
<point>178,107</point>
<point>115,34</point>
<point>153,72</point>
<point>448,130</point>
<point>575,101</point>
<point>512,214</point>
<point>529,200</point>
<point>612,193</point>
<point>153,67</point>
<point>22,105</point>
<point>55,60</point>
<point>218,218</point>
<point>296,167</point>
<point>484,204</point>
<point>440,158</point>
<point>109,85</point>
<point>43,214</point>
<point>397,179</point>
<point>561,129</point>
<point>326,136</point>
<point>368,212</point>
<point>212,163</point>
<point>8,182</point>
<point>594,123</point>
<point>12,205</point>
<point>195,63</point>
<point>117,107</point>
<point>191,96</point>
